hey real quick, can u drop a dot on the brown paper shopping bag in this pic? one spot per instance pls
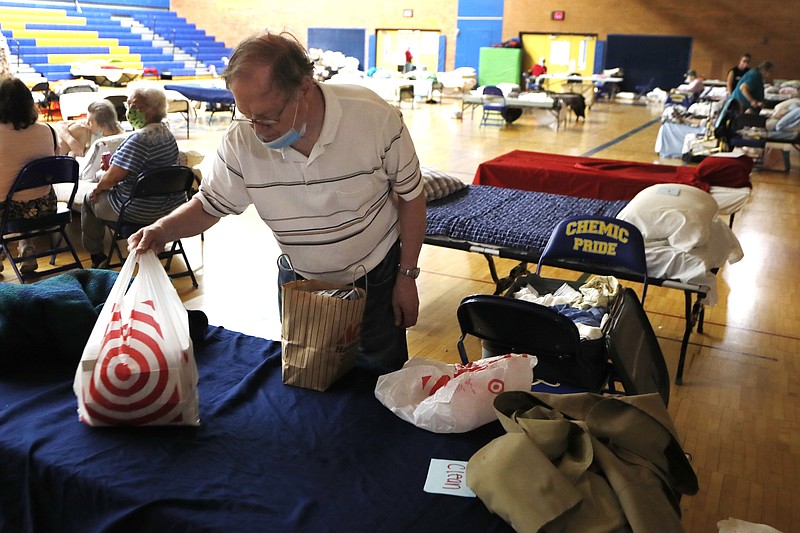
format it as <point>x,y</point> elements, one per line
<point>319,334</point>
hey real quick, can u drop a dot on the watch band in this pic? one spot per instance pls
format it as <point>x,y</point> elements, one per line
<point>412,273</point>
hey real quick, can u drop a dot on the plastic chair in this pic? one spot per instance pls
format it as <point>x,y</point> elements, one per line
<point>507,325</point>
<point>603,245</point>
<point>45,98</point>
<point>494,103</point>
<point>45,171</point>
<point>628,355</point>
<point>161,181</point>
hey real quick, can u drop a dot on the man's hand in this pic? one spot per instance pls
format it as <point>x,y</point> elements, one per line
<point>405,302</point>
<point>147,238</point>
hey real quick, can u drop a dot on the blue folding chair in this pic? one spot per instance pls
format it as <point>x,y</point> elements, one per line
<point>603,245</point>
<point>494,103</point>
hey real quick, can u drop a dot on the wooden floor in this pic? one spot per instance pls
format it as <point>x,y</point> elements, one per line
<point>738,411</point>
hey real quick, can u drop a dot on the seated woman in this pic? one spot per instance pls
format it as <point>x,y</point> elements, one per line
<point>76,136</point>
<point>23,139</point>
<point>151,145</point>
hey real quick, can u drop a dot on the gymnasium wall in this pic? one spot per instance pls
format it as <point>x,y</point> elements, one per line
<point>720,30</point>
<point>230,20</point>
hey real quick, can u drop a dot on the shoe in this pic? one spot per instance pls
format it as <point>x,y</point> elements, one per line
<point>99,260</point>
<point>29,264</point>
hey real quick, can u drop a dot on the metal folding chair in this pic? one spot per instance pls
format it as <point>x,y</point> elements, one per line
<point>45,171</point>
<point>161,181</point>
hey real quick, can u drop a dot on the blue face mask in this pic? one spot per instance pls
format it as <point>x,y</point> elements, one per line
<point>288,138</point>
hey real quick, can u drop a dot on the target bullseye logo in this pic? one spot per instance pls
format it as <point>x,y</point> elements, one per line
<point>132,382</point>
<point>496,386</point>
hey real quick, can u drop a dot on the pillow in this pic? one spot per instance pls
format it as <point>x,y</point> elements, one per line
<point>437,184</point>
<point>725,171</point>
<point>672,214</point>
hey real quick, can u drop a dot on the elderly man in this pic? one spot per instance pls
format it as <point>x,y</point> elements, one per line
<point>332,170</point>
<point>151,146</point>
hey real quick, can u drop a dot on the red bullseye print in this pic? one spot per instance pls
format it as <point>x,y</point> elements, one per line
<point>496,386</point>
<point>132,382</point>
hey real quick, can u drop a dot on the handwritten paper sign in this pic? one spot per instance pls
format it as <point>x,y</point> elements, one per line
<point>448,477</point>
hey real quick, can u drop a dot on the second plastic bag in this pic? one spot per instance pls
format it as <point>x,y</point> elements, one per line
<point>453,398</point>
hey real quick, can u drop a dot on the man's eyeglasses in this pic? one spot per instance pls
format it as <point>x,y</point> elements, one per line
<point>264,122</point>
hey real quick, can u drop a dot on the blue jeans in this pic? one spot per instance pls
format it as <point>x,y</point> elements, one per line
<point>383,345</point>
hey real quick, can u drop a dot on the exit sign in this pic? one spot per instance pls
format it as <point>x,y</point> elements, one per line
<point>558,15</point>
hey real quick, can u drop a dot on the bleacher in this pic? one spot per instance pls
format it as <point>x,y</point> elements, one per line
<point>55,37</point>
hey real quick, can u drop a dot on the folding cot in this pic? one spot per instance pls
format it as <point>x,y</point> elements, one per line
<point>726,178</point>
<point>515,224</point>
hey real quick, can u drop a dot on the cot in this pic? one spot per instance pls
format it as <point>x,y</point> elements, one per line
<point>515,224</point>
<point>726,178</point>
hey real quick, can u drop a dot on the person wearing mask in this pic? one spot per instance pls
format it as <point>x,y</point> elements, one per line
<point>332,170</point>
<point>22,140</point>
<point>151,145</point>
<point>735,73</point>
<point>749,92</point>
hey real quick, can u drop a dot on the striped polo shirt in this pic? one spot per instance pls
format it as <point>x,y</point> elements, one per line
<point>150,147</point>
<point>335,210</point>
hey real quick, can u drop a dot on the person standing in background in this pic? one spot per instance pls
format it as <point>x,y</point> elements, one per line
<point>735,73</point>
<point>409,66</point>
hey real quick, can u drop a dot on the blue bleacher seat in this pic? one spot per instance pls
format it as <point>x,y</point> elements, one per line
<point>98,18</point>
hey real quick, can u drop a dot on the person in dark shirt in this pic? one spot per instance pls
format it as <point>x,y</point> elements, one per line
<point>736,73</point>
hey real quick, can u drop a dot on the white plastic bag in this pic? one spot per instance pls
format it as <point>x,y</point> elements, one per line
<point>445,398</point>
<point>138,366</point>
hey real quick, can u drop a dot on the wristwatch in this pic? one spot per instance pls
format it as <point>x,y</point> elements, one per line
<point>412,273</point>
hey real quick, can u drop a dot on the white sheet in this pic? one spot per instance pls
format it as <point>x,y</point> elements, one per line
<point>695,266</point>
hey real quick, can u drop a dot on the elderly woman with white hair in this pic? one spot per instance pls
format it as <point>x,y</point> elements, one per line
<point>150,146</point>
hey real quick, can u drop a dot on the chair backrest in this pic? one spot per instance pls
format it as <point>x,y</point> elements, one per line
<point>41,87</point>
<point>603,245</point>
<point>46,171</point>
<point>118,101</point>
<point>493,95</point>
<point>161,181</point>
<point>523,327</point>
<point>634,350</point>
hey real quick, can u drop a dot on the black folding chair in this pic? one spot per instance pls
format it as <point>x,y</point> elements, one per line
<point>42,172</point>
<point>507,325</point>
<point>163,181</point>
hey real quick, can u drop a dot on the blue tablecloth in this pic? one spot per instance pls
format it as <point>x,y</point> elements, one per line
<point>203,92</point>
<point>267,457</point>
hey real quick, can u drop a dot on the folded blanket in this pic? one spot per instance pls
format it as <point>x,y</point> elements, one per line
<point>49,322</point>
